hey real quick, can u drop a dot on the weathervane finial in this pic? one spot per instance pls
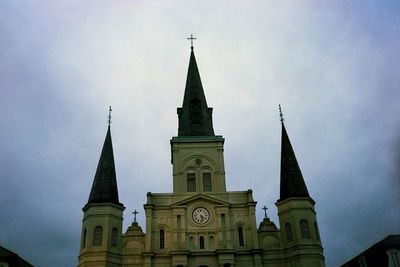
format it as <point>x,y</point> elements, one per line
<point>280,114</point>
<point>191,38</point>
<point>109,116</point>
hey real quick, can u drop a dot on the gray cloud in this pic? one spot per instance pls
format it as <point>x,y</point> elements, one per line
<point>333,67</point>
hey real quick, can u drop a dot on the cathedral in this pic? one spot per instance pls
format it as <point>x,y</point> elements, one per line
<point>200,223</point>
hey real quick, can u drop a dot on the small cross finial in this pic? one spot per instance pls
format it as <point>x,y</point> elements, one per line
<point>191,38</point>
<point>134,214</point>
<point>265,212</point>
<point>280,114</point>
<point>109,116</point>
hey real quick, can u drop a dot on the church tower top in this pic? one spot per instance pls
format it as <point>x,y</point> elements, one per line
<point>195,117</point>
<point>292,182</point>
<point>191,38</point>
<point>104,188</point>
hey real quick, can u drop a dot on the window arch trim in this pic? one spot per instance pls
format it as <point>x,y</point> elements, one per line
<point>97,236</point>
<point>289,232</point>
<point>207,180</point>
<point>114,237</point>
<point>162,239</point>
<point>305,229</point>
<point>201,242</point>
<point>240,235</point>
<point>191,181</point>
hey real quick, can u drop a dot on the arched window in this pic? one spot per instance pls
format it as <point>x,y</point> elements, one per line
<point>97,236</point>
<point>211,246</point>
<point>289,234</point>
<point>191,182</point>
<point>162,239</point>
<point>191,242</point>
<point>223,227</point>
<point>84,238</point>
<point>114,237</point>
<point>305,229</point>
<point>178,223</point>
<point>227,265</point>
<point>207,185</point>
<point>240,235</point>
<point>201,242</point>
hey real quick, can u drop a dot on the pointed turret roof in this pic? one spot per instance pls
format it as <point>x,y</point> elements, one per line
<point>104,188</point>
<point>195,117</point>
<point>292,182</point>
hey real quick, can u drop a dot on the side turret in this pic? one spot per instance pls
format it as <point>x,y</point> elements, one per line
<point>297,217</point>
<point>101,242</point>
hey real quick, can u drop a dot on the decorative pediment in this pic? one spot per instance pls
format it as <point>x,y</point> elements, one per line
<point>198,197</point>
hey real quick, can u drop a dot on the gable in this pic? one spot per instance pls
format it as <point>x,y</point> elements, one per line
<point>198,197</point>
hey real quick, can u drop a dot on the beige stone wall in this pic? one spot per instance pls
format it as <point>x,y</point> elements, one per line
<point>301,250</point>
<point>197,158</point>
<point>108,216</point>
<point>227,212</point>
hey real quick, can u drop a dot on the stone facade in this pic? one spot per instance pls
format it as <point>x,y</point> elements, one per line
<point>200,223</point>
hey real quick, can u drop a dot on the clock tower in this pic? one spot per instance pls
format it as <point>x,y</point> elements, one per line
<point>200,223</point>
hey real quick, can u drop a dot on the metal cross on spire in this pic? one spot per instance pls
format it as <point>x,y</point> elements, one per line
<point>265,212</point>
<point>191,38</point>
<point>280,114</point>
<point>134,214</point>
<point>109,116</point>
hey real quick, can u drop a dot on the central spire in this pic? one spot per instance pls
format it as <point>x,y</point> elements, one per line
<point>195,117</point>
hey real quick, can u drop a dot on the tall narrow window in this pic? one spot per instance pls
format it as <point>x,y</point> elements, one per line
<point>289,234</point>
<point>114,237</point>
<point>162,239</point>
<point>207,186</point>
<point>211,245</point>
<point>223,227</point>
<point>97,236</point>
<point>240,235</point>
<point>191,182</point>
<point>191,242</point>
<point>84,238</point>
<point>178,223</point>
<point>305,229</point>
<point>201,242</point>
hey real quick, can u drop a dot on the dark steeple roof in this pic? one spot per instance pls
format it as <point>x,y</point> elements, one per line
<point>292,182</point>
<point>195,117</point>
<point>104,188</point>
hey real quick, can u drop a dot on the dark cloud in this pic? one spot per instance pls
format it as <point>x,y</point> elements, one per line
<point>334,69</point>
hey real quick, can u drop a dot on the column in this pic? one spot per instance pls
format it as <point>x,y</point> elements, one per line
<point>253,225</point>
<point>149,217</point>
<point>228,230</point>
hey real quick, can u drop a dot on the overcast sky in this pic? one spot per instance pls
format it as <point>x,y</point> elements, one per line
<point>332,65</point>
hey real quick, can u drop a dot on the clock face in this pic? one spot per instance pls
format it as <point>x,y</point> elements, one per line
<point>201,215</point>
